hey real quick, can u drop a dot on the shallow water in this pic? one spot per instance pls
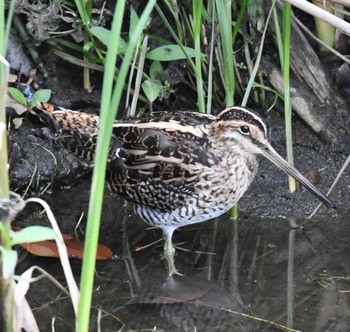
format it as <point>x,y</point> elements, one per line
<point>249,275</point>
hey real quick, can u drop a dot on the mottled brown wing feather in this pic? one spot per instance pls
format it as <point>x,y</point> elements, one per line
<point>153,160</point>
<point>158,159</point>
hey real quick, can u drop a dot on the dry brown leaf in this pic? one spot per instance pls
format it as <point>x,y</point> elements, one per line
<point>75,248</point>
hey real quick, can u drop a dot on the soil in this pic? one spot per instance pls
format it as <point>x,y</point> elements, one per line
<point>39,167</point>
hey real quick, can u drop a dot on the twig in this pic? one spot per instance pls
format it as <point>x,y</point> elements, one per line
<point>322,14</point>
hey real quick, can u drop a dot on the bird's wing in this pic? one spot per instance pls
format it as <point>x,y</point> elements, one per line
<point>158,159</point>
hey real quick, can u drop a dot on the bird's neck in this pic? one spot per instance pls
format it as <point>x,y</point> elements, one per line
<point>235,163</point>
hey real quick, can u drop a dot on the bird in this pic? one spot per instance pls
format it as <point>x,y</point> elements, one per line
<point>178,168</point>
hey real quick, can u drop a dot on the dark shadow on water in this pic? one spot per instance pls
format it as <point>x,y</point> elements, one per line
<point>257,268</point>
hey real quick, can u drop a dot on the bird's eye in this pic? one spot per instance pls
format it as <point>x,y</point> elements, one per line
<point>245,130</point>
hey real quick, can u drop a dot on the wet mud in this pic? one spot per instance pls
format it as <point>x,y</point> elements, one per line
<point>234,271</point>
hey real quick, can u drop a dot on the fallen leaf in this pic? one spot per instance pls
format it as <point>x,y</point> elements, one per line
<point>75,248</point>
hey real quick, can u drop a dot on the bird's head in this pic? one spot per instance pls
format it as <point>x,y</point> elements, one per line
<point>245,129</point>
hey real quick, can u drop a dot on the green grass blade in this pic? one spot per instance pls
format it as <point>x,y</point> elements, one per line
<point>174,10</point>
<point>4,75</point>
<point>129,55</point>
<point>109,106</point>
<point>287,11</point>
<point>197,20</point>
<point>10,12</point>
<point>241,14</point>
<point>177,40</point>
<point>258,58</point>
<point>6,281</point>
<point>4,180</point>
<point>278,35</point>
<point>83,9</point>
<point>210,62</point>
<point>225,25</point>
<point>96,196</point>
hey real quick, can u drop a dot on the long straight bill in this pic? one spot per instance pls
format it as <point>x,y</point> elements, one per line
<point>270,153</point>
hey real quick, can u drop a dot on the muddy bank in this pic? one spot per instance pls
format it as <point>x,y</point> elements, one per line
<point>228,267</point>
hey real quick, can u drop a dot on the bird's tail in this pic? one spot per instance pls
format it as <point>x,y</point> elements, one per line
<point>75,131</point>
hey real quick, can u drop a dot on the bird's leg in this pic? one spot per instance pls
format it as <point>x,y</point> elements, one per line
<point>169,251</point>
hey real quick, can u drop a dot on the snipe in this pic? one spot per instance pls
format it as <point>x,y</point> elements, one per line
<point>178,168</point>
